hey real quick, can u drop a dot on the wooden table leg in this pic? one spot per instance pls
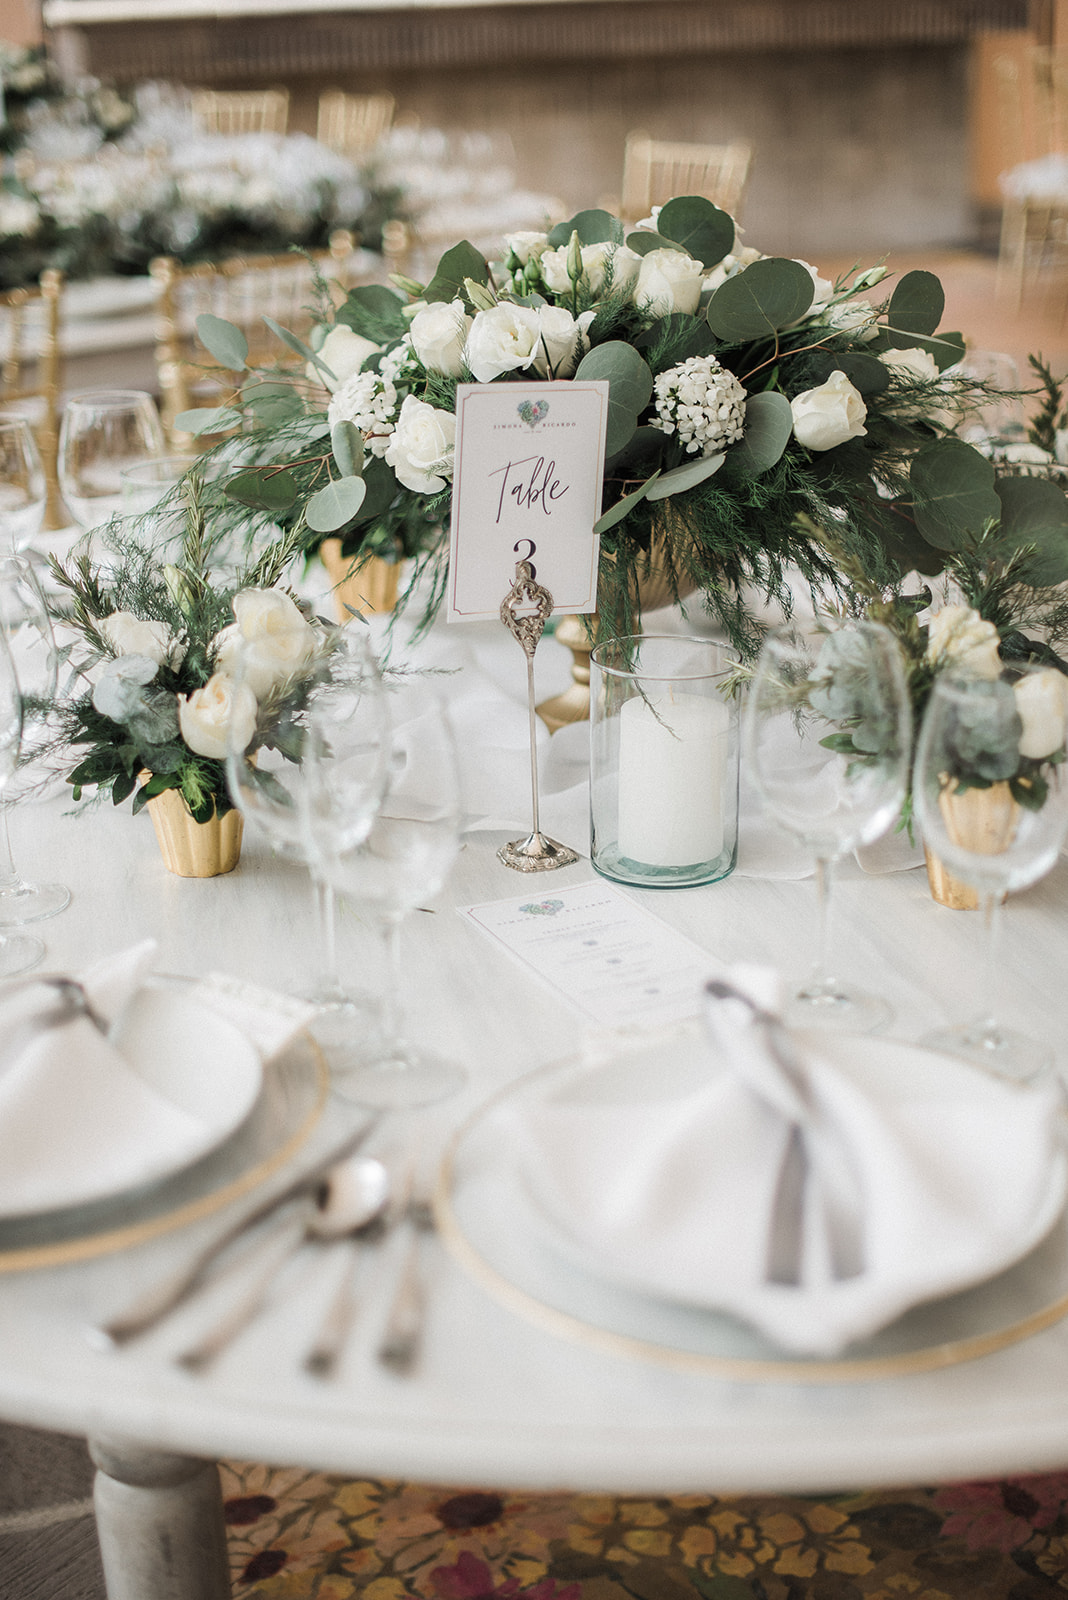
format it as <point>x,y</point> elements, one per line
<point>159,1520</point>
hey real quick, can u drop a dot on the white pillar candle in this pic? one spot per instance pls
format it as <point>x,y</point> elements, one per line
<point>672,764</point>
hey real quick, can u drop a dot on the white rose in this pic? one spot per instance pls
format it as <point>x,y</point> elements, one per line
<point>828,415</point>
<point>959,635</point>
<point>421,446</point>
<point>1042,701</point>
<point>731,265</point>
<point>212,717</point>
<point>600,262</point>
<point>563,341</point>
<point>823,288</point>
<point>132,636</point>
<point>914,365</point>
<point>504,339</point>
<point>270,641</point>
<point>438,334</point>
<point>344,352</point>
<point>526,244</point>
<point>668,280</point>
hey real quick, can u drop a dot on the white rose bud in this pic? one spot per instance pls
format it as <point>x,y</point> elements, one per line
<point>563,341</point>
<point>270,641</point>
<point>216,715</point>
<point>506,339</point>
<point>959,636</point>
<point>344,352</point>
<point>438,336</point>
<point>1042,701</point>
<point>421,446</point>
<point>599,266</point>
<point>668,281</point>
<point>132,636</point>
<point>828,415</point>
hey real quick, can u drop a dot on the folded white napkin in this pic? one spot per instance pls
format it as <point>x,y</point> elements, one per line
<point>84,1115</point>
<point>818,1210</point>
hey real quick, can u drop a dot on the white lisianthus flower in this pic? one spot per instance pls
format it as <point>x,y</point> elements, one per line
<point>668,280</point>
<point>504,339</point>
<point>829,414</point>
<point>421,447</point>
<point>606,267</point>
<point>526,245</point>
<point>128,635</point>
<point>438,335</point>
<point>563,341</point>
<point>221,712</point>
<point>1042,702</point>
<point>270,641</point>
<point>958,636</point>
<point>369,401</point>
<point>703,403</point>
<point>344,352</point>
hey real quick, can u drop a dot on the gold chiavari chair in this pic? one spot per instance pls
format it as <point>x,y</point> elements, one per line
<point>656,169</point>
<point>241,290</point>
<point>241,110</point>
<point>352,124</point>
<point>30,372</point>
<point>1032,105</point>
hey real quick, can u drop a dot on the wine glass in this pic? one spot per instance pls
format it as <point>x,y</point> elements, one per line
<point>103,432</point>
<point>402,861</point>
<point>990,790</point>
<point>27,630</point>
<point>18,951</point>
<point>23,489</point>
<point>268,776</point>
<point>827,740</point>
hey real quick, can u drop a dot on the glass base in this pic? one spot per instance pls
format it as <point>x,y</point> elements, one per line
<point>621,869</point>
<point>18,953</point>
<point>1009,1055</point>
<point>32,902</point>
<point>410,1078</point>
<point>833,1007</point>
<point>346,1027</point>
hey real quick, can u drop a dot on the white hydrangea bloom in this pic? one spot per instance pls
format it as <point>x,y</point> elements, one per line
<point>369,401</point>
<point>702,403</point>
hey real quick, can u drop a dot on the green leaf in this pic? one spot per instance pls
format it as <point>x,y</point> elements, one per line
<point>462,261</point>
<point>685,476</point>
<point>271,404</point>
<point>293,343</point>
<point>335,505</point>
<point>381,487</point>
<point>702,229</point>
<point>946,348</point>
<point>622,508</point>
<point>917,304</point>
<point>346,441</point>
<point>953,493</point>
<point>222,340</point>
<point>757,303</point>
<point>374,312</point>
<point>642,241</point>
<point>208,419</point>
<point>592,227</point>
<point>769,423</point>
<point>1034,511</point>
<point>868,375</point>
<point>630,387</point>
<point>263,489</point>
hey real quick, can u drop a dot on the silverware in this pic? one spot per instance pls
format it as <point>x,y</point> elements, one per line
<point>150,1308</point>
<point>403,1334</point>
<point>325,1352</point>
<point>70,1002</point>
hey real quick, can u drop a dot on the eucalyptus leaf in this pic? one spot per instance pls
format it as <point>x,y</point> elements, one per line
<point>374,312</point>
<point>868,375</point>
<point>704,231</point>
<point>335,505</point>
<point>296,345</point>
<point>207,419</point>
<point>222,340</point>
<point>346,441</point>
<point>953,494</point>
<point>271,404</point>
<point>642,241</point>
<point>592,227</point>
<point>623,507</point>
<point>462,261</point>
<point>757,303</point>
<point>630,387</point>
<point>917,304</point>
<point>769,423</point>
<point>381,486</point>
<point>1034,512</point>
<point>263,489</point>
<point>683,477</point>
<point>946,348</point>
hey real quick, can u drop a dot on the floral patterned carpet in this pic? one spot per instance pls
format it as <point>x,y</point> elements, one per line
<point>295,1535</point>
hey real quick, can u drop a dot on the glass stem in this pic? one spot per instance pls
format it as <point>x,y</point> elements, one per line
<point>988,1023</point>
<point>392,1012</point>
<point>10,882</point>
<point>822,980</point>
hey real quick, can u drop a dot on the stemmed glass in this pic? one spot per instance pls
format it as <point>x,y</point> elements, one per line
<point>402,861</point>
<point>20,951</point>
<point>23,489</point>
<point>268,783</point>
<point>827,741</point>
<point>990,790</point>
<point>103,432</point>
<point>27,630</point>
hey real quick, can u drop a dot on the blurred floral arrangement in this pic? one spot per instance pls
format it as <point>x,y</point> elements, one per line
<point>756,409</point>
<point>150,650</point>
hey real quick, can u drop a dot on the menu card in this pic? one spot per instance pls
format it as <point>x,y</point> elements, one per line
<point>527,484</point>
<point>602,951</point>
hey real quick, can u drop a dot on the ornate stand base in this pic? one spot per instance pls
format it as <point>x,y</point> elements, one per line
<point>160,1524</point>
<point>536,853</point>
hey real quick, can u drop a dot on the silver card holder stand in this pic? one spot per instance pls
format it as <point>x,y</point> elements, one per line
<point>525,610</point>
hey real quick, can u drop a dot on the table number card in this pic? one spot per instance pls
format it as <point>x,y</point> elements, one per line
<point>529,467</point>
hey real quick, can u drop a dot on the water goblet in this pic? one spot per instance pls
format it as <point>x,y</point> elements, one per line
<point>23,490</point>
<point>103,432</point>
<point>990,791</point>
<point>846,687</point>
<point>18,951</point>
<point>402,861</point>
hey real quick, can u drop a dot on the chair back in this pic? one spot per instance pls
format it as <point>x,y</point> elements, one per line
<point>656,169</point>
<point>30,372</point>
<point>242,290</point>
<point>241,110</point>
<point>352,124</point>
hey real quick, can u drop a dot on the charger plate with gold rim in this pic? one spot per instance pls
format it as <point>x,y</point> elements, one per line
<point>492,1227</point>
<point>287,1109</point>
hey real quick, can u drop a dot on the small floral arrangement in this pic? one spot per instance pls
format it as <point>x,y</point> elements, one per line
<point>151,650</point>
<point>755,407</point>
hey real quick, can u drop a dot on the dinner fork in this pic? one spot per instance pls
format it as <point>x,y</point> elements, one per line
<point>403,1334</point>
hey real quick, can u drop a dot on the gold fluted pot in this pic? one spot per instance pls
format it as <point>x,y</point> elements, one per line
<point>980,820</point>
<point>192,849</point>
<point>372,586</point>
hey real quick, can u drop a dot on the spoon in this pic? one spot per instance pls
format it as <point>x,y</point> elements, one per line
<point>334,1223</point>
<point>351,1196</point>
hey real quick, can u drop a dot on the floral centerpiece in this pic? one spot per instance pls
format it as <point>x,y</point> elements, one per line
<point>754,405</point>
